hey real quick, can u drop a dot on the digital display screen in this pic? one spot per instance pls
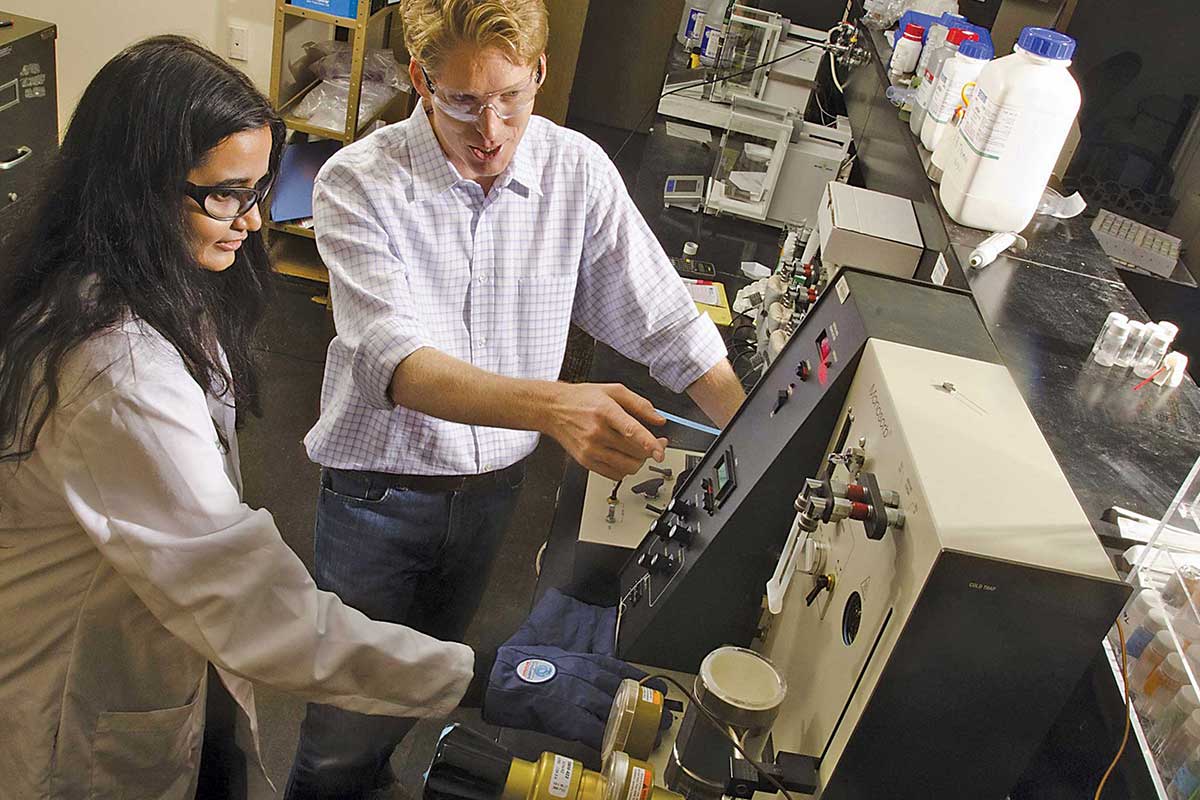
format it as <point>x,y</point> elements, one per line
<point>722,475</point>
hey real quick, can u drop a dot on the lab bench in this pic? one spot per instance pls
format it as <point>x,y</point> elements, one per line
<point>1043,307</point>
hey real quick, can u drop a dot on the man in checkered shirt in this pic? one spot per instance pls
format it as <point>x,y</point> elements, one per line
<point>461,244</point>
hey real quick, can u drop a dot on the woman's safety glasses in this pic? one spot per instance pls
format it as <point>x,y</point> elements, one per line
<point>505,104</point>
<point>228,202</point>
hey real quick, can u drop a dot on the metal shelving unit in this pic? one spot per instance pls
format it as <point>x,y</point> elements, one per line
<point>293,246</point>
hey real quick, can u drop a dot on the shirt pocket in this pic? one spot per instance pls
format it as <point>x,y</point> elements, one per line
<point>139,755</point>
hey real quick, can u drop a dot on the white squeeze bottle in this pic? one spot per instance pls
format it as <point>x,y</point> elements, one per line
<point>1007,143</point>
<point>956,74</point>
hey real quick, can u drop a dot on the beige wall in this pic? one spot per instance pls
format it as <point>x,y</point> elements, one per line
<point>90,33</point>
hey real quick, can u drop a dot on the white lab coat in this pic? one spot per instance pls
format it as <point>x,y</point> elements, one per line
<point>128,560</point>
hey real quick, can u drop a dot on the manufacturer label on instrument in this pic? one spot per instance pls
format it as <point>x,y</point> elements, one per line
<point>651,696</point>
<point>560,776</point>
<point>941,270</point>
<point>843,289</point>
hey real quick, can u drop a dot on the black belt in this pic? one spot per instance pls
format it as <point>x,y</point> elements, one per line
<point>509,476</point>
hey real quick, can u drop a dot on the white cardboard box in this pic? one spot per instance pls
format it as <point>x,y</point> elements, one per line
<point>871,230</point>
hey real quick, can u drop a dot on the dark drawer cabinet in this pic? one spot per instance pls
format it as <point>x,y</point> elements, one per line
<point>28,114</point>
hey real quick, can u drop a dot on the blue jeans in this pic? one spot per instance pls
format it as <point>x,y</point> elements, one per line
<point>411,557</point>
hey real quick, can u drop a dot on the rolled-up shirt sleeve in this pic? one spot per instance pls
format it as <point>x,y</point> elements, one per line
<point>368,280</point>
<point>146,480</point>
<point>629,295</point>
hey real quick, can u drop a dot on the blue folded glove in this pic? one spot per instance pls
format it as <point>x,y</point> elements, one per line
<point>570,625</point>
<point>547,689</point>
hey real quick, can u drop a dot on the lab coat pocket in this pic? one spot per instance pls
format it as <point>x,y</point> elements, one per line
<point>148,754</point>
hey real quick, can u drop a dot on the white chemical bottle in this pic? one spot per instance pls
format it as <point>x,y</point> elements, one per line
<point>907,51</point>
<point>691,26</point>
<point>946,97</point>
<point>714,24</point>
<point>930,72</point>
<point>1010,138</point>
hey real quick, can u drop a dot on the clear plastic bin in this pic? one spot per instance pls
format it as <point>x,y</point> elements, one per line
<point>1165,575</point>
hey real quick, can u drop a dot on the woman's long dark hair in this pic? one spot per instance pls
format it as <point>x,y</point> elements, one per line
<point>110,236</point>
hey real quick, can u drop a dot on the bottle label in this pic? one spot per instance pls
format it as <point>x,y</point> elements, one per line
<point>925,89</point>
<point>710,45</point>
<point>1137,642</point>
<point>560,776</point>
<point>988,125</point>
<point>695,23</point>
<point>946,95</point>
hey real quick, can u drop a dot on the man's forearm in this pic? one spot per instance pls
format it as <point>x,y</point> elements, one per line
<point>448,388</point>
<point>718,392</point>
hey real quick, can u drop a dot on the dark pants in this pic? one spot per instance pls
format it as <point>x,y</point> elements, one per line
<point>412,557</point>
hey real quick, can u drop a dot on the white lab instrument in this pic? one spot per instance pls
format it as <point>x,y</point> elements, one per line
<point>1012,134</point>
<point>1131,242</point>
<point>753,38</point>
<point>772,166</point>
<point>887,627</point>
<point>684,191</point>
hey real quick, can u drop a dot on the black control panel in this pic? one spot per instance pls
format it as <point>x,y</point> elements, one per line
<point>697,579</point>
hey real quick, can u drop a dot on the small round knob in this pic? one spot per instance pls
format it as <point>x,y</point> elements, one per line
<point>680,507</point>
<point>681,533</point>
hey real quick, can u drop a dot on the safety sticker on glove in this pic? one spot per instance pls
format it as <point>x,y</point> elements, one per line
<point>536,670</point>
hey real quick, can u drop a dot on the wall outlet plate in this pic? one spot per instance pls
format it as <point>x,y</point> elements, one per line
<point>239,43</point>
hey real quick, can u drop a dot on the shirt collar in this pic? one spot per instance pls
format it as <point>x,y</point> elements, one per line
<point>433,173</point>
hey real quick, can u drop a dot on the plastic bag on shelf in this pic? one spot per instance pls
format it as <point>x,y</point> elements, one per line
<point>331,61</point>
<point>325,106</point>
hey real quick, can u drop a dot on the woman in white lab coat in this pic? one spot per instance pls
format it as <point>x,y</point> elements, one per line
<point>127,558</point>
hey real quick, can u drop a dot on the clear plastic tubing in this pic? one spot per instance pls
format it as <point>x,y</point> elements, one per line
<point>1108,323</point>
<point>1185,703</point>
<point>1161,686</point>
<point>1114,339</point>
<point>1133,344</point>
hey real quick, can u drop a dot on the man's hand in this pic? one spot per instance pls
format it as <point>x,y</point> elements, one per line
<point>600,426</point>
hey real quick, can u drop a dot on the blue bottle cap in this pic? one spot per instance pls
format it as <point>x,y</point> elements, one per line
<point>973,49</point>
<point>1046,43</point>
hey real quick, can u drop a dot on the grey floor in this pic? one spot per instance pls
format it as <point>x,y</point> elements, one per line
<point>279,477</point>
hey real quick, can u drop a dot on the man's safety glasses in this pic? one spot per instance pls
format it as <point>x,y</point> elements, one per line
<point>226,203</point>
<point>505,104</point>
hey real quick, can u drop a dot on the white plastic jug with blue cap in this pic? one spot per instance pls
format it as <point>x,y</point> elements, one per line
<point>1010,138</point>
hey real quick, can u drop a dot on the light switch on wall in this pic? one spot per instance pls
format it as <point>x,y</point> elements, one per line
<point>239,43</point>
